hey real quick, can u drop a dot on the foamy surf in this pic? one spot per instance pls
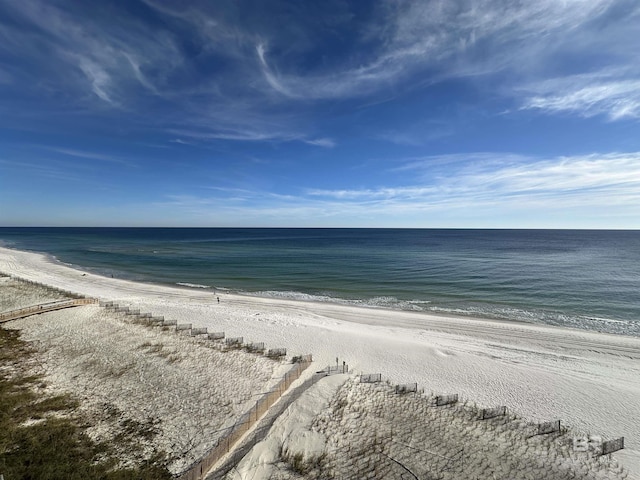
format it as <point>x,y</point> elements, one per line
<point>192,285</point>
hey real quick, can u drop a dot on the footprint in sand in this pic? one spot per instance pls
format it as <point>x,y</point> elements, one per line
<point>445,353</point>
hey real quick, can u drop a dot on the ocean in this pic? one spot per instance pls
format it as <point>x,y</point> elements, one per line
<point>574,278</point>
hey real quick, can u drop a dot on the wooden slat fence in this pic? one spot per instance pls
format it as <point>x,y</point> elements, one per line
<point>224,445</point>
<point>446,399</point>
<point>488,413</point>
<point>370,378</point>
<point>548,427</point>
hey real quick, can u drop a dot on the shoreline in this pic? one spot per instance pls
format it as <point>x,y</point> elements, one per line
<point>335,300</point>
<point>341,302</point>
<point>589,380</point>
<point>303,302</point>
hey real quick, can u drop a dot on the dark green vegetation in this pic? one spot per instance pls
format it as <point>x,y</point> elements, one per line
<point>42,438</point>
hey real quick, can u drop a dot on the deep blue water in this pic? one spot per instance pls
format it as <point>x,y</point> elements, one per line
<point>584,279</point>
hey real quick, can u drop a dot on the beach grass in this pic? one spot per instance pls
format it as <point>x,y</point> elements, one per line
<point>40,434</point>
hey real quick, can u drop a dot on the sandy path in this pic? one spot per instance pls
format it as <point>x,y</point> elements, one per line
<point>589,380</point>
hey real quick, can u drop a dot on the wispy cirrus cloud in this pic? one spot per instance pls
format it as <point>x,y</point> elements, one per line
<point>271,132</point>
<point>271,78</point>
<point>91,155</point>
<point>240,134</point>
<point>143,69</point>
<point>609,179</point>
<point>443,39</point>
<point>430,42</point>
<point>604,93</point>
<point>221,72</point>
<point>532,190</point>
<point>51,170</point>
<point>87,52</point>
<point>321,142</point>
<point>100,80</point>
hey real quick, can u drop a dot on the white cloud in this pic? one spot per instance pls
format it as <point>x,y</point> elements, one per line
<point>98,77</point>
<point>91,155</point>
<point>612,94</point>
<point>259,83</point>
<point>269,75</point>
<point>599,190</point>
<point>321,142</point>
<point>446,38</point>
<point>610,179</point>
<point>585,182</point>
<point>136,65</point>
<point>245,133</point>
<point>107,54</point>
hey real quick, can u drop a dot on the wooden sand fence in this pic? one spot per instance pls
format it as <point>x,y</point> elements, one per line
<point>225,444</point>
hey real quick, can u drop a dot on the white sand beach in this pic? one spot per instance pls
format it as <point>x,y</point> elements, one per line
<point>588,380</point>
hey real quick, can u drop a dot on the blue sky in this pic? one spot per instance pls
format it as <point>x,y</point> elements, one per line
<point>426,113</point>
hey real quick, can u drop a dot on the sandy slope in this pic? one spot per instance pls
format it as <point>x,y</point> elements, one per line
<point>367,430</point>
<point>589,380</point>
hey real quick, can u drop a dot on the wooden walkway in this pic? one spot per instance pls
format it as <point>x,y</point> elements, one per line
<point>44,308</point>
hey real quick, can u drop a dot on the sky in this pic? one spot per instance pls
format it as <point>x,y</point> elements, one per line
<point>387,113</point>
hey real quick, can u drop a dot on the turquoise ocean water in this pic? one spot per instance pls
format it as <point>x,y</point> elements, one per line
<point>583,279</point>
